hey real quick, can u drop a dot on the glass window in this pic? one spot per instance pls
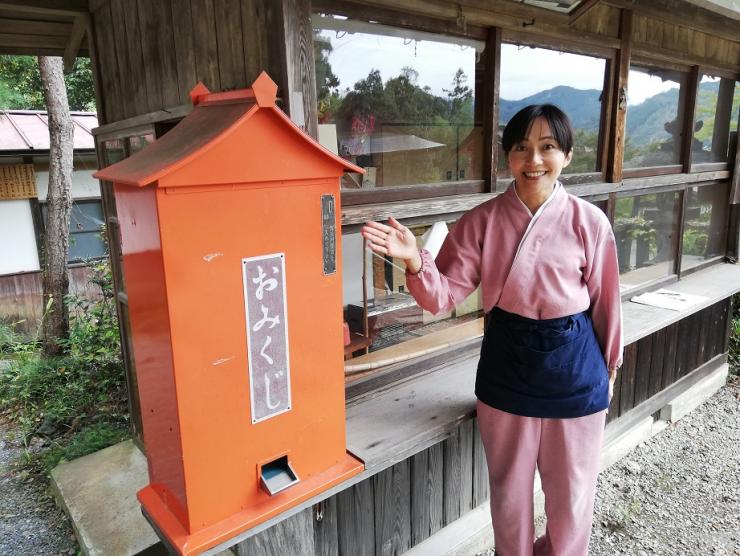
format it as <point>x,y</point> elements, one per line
<point>138,142</point>
<point>113,151</point>
<point>716,118</point>
<point>645,228</point>
<point>705,227</point>
<point>85,229</point>
<point>654,120</point>
<point>399,103</point>
<point>397,328</point>
<point>572,82</point>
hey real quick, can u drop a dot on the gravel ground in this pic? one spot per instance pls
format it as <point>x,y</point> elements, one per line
<point>30,522</point>
<point>678,493</point>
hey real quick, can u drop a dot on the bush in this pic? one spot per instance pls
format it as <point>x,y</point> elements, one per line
<point>77,401</point>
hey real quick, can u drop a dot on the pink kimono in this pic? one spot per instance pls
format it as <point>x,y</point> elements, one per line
<point>558,262</point>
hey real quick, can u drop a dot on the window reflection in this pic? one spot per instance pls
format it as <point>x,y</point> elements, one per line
<point>399,103</point>
<point>645,230</point>
<point>537,76</point>
<point>705,229</point>
<point>716,119</point>
<point>394,320</point>
<point>654,121</point>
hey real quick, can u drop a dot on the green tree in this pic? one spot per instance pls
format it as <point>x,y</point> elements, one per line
<point>460,99</point>
<point>21,89</point>
<point>327,84</point>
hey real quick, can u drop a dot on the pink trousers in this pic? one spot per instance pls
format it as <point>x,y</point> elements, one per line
<point>567,453</point>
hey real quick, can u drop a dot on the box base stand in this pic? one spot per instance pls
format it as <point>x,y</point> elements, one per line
<point>179,541</point>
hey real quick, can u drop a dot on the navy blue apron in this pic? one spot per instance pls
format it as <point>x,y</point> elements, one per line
<point>542,368</point>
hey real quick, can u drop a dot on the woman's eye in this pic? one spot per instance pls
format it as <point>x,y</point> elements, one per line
<point>520,148</point>
<point>549,146</point>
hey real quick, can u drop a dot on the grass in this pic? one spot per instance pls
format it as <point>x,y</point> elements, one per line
<point>734,349</point>
<point>74,404</point>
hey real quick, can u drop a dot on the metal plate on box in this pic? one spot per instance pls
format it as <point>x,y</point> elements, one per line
<point>265,303</point>
<point>329,233</point>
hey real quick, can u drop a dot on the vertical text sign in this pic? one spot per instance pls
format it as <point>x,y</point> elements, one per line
<point>329,233</point>
<point>267,335</point>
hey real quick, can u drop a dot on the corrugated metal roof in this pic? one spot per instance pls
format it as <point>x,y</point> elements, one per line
<point>28,130</point>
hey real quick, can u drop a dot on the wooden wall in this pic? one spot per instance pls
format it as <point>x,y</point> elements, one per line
<point>405,504</point>
<point>149,55</point>
<point>657,361</point>
<point>21,296</point>
<point>390,512</point>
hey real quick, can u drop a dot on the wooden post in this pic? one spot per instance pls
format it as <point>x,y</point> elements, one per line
<point>689,111</point>
<point>291,60</point>
<point>619,99</point>
<point>735,191</point>
<point>491,107</point>
<point>721,133</point>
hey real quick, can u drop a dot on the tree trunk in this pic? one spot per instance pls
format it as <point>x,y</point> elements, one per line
<point>58,203</point>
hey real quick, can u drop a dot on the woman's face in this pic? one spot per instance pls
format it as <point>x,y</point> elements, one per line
<point>537,160</point>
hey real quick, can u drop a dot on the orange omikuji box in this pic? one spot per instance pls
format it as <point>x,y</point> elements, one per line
<point>230,230</point>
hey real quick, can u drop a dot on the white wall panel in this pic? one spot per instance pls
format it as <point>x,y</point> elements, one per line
<point>18,251</point>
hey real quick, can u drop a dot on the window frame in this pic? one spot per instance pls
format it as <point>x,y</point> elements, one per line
<point>729,163</point>
<point>609,56</point>
<point>590,187</point>
<point>77,261</point>
<point>686,103</point>
<point>123,131</point>
<point>421,191</point>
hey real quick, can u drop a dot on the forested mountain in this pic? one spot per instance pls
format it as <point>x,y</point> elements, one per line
<point>582,106</point>
<point>645,121</point>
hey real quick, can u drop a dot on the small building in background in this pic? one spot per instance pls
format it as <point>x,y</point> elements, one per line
<point>24,182</point>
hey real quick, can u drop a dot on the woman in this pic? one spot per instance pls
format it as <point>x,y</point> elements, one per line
<point>547,265</point>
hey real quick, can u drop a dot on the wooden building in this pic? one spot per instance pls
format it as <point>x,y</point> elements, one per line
<point>653,87</point>
<point>24,180</point>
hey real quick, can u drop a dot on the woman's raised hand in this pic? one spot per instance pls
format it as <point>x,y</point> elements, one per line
<point>393,239</point>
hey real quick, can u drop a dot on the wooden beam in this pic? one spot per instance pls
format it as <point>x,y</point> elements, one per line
<point>689,111</point>
<point>685,14</point>
<point>31,43</point>
<point>580,10</point>
<point>668,55</point>
<point>291,61</point>
<point>497,13</point>
<point>491,107</point>
<point>34,27</point>
<point>399,18</point>
<point>619,99</point>
<point>79,28</point>
<point>46,7</point>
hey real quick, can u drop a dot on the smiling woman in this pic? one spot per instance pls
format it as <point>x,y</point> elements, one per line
<point>573,82</point>
<point>546,371</point>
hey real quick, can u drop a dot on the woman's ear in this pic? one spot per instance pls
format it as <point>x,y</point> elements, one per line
<point>568,158</point>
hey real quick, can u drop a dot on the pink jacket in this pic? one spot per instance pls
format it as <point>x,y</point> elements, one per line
<point>566,264</point>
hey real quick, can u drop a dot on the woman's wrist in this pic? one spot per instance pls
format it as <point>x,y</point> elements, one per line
<point>413,265</point>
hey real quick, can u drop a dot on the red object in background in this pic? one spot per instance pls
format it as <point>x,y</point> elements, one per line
<point>235,181</point>
<point>346,334</point>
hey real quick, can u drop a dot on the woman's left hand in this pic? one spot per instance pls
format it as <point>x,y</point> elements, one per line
<point>612,379</point>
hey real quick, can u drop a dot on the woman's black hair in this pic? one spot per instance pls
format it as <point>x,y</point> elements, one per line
<point>518,127</point>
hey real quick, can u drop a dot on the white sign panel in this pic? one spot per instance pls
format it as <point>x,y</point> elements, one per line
<point>265,305</point>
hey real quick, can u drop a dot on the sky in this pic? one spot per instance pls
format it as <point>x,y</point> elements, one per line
<point>524,71</point>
